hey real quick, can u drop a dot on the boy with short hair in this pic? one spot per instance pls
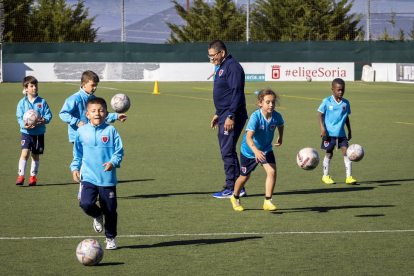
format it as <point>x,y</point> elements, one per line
<point>333,116</point>
<point>33,136</point>
<point>98,149</point>
<point>74,108</point>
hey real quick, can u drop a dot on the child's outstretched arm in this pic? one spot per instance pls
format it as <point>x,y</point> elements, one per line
<point>259,155</point>
<point>77,158</point>
<point>348,125</point>
<point>322,125</point>
<point>279,140</point>
<point>112,117</point>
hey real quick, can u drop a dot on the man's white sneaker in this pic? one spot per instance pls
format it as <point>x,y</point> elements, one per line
<point>98,224</point>
<point>110,244</point>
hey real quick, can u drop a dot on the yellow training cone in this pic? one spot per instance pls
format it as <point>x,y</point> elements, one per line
<point>156,91</point>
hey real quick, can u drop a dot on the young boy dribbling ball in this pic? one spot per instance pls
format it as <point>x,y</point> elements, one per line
<point>33,136</point>
<point>333,116</point>
<point>74,108</point>
<point>257,147</point>
<point>98,149</point>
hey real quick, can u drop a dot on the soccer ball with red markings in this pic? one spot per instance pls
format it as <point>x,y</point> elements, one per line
<point>89,252</point>
<point>120,103</point>
<point>30,117</point>
<point>355,152</point>
<point>307,158</point>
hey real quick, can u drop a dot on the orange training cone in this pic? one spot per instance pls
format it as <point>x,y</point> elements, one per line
<point>156,91</point>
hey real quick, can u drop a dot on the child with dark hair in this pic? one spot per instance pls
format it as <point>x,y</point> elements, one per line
<point>98,149</point>
<point>33,136</point>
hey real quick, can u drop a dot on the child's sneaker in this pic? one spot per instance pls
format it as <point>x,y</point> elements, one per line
<point>236,204</point>
<point>98,224</point>
<point>32,181</point>
<point>327,179</point>
<point>20,180</point>
<point>350,180</point>
<point>268,205</point>
<point>111,244</point>
<point>243,192</point>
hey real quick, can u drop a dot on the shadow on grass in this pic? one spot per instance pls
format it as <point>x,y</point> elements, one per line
<point>319,191</point>
<point>109,264</point>
<point>369,216</point>
<point>385,182</point>
<point>75,183</point>
<point>164,195</point>
<point>326,209</point>
<point>189,242</point>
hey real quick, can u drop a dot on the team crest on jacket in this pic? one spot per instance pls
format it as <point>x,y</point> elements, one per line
<point>39,105</point>
<point>343,108</point>
<point>326,144</point>
<point>272,127</point>
<point>22,142</point>
<point>105,139</point>
<point>221,72</point>
<point>243,169</point>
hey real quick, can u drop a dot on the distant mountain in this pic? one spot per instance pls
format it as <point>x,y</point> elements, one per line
<point>152,29</point>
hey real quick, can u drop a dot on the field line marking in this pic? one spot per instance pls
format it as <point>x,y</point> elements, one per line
<point>405,123</point>
<point>217,234</point>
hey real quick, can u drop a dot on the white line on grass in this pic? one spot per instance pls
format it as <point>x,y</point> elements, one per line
<point>214,234</point>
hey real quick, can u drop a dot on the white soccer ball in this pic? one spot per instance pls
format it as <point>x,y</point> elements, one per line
<point>120,103</point>
<point>89,252</point>
<point>307,158</point>
<point>308,79</point>
<point>355,152</point>
<point>30,117</point>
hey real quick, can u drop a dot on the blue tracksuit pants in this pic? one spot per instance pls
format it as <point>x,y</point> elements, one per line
<point>228,143</point>
<point>108,202</point>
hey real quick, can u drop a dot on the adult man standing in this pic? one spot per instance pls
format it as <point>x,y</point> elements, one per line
<point>231,113</point>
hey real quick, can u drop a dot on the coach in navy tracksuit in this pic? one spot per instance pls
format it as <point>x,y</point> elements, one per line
<point>231,113</point>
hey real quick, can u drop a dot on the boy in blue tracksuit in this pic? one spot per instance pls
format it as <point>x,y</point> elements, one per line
<point>74,108</point>
<point>98,149</point>
<point>33,136</point>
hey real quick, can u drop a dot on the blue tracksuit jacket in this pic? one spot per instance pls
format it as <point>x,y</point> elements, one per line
<point>40,105</point>
<point>94,146</point>
<point>73,111</point>
<point>228,92</point>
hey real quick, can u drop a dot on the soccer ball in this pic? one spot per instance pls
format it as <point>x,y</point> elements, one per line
<point>355,152</point>
<point>30,117</point>
<point>89,252</point>
<point>307,158</point>
<point>309,79</point>
<point>120,103</point>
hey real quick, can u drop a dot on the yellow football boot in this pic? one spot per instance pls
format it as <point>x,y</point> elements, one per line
<point>350,180</point>
<point>236,204</point>
<point>268,205</point>
<point>327,179</point>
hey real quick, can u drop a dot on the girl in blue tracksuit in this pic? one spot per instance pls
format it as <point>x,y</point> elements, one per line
<point>33,136</point>
<point>98,149</point>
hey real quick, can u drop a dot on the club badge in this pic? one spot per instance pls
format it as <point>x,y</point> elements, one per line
<point>105,139</point>
<point>244,169</point>
<point>39,105</point>
<point>22,142</point>
<point>221,72</point>
<point>272,127</point>
<point>326,144</point>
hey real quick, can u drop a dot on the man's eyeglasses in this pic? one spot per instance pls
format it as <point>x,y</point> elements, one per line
<point>214,56</point>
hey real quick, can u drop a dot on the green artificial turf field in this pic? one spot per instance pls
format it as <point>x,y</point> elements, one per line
<point>169,223</point>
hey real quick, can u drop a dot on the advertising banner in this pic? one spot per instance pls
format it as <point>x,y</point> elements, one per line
<point>405,72</point>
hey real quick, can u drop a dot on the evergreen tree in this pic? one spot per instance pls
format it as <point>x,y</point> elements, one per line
<point>49,21</point>
<point>411,33</point>
<point>223,21</point>
<point>295,20</point>
<point>16,20</point>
